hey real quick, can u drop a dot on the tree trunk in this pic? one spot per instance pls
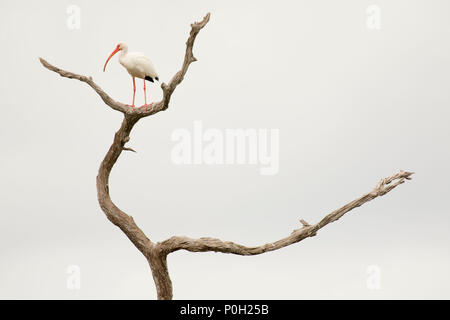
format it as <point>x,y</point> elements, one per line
<point>160,272</point>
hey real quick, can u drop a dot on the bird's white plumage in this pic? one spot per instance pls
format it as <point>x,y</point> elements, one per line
<point>137,65</point>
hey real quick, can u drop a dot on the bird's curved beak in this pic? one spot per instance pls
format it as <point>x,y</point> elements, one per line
<point>110,56</point>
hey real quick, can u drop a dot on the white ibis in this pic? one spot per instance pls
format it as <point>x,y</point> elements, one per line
<point>137,65</point>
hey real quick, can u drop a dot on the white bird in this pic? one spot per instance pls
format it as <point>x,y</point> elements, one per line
<point>137,65</point>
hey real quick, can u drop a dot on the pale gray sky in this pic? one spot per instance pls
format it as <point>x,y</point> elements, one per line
<point>352,105</point>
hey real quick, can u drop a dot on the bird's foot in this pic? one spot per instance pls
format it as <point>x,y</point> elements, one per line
<point>130,105</point>
<point>147,107</point>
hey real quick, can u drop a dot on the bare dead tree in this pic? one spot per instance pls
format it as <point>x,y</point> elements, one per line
<point>156,252</point>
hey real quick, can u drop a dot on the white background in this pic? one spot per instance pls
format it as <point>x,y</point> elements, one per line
<point>352,105</point>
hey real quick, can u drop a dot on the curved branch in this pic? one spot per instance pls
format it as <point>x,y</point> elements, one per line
<point>179,76</point>
<point>105,97</point>
<point>211,244</point>
<point>114,214</point>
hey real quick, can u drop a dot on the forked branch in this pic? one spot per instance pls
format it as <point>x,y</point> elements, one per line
<point>156,253</point>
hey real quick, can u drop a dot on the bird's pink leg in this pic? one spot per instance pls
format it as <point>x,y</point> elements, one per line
<point>134,92</point>
<point>145,94</point>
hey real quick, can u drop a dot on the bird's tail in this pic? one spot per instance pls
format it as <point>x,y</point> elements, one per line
<point>148,78</point>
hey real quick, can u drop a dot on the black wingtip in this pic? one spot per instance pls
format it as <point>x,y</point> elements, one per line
<point>149,78</point>
<point>157,79</point>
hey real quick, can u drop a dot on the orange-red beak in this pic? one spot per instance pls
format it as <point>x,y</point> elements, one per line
<point>110,56</point>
